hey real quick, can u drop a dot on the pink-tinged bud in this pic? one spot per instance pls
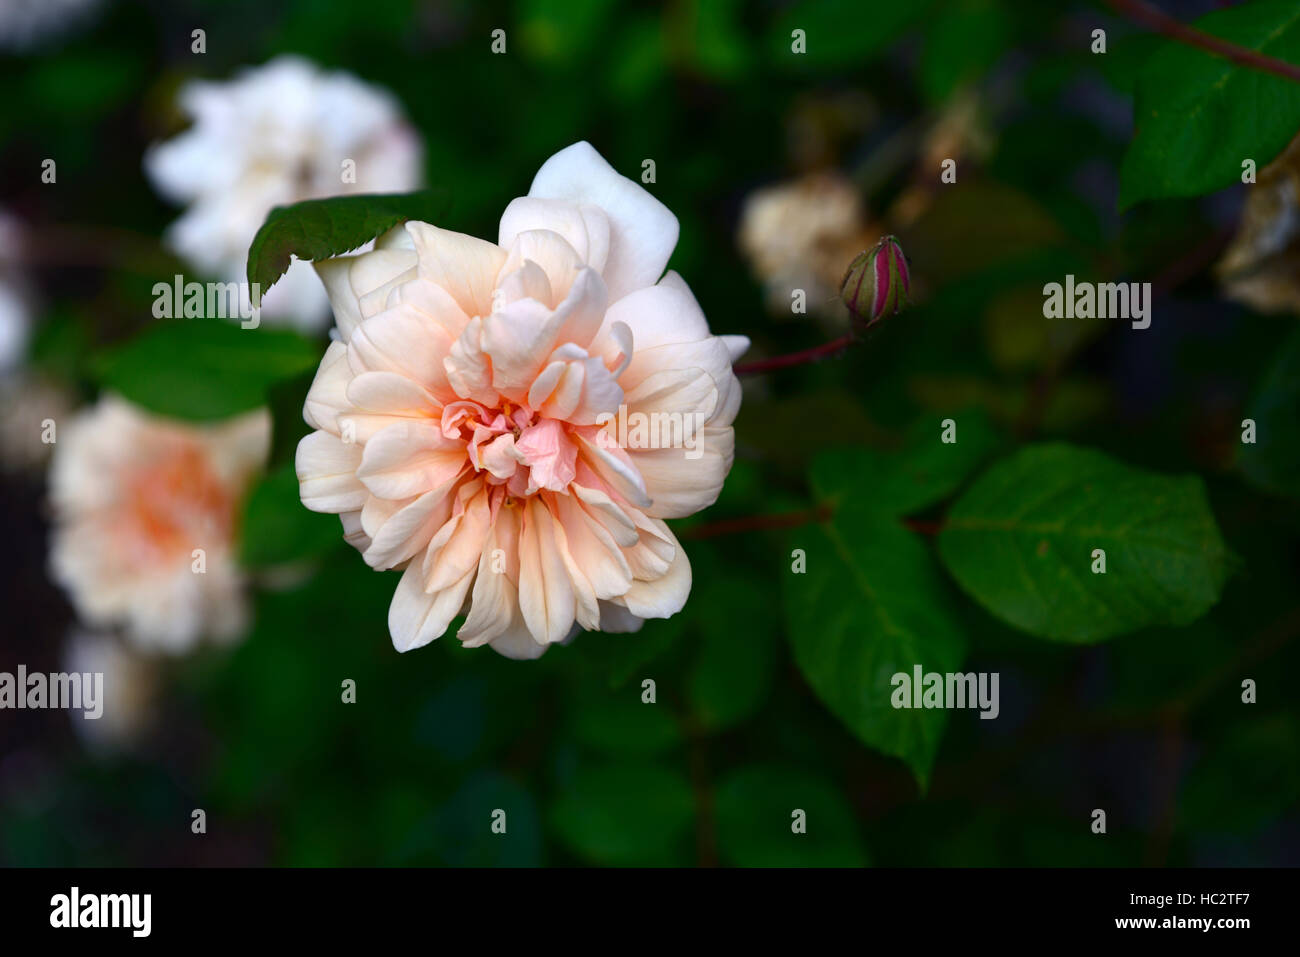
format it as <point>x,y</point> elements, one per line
<point>877,283</point>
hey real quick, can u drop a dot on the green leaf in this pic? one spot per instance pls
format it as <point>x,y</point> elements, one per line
<point>924,471</point>
<point>204,370</point>
<point>1246,778</point>
<point>754,808</point>
<point>620,724</point>
<point>80,85</point>
<point>732,672</point>
<point>872,603</point>
<point>477,800</point>
<point>841,33</point>
<point>962,43</point>
<point>1199,116</point>
<point>624,814</point>
<point>639,58</point>
<point>1271,463</point>
<point>277,529</point>
<point>717,39</point>
<point>320,228</point>
<point>820,418</point>
<point>453,721</point>
<point>561,30</point>
<point>60,344</point>
<point>618,657</point>
<point>984,226</point>
<point>1125,57</point>
<point>1020,541</point>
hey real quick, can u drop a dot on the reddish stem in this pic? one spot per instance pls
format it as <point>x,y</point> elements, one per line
<point>750,523</point>
<point>922,527</point>
<point>795,358</point>
<point>1149,16</point>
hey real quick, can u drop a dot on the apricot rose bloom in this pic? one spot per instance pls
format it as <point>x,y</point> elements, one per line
<point>145,514</point>
<point>462,417</point>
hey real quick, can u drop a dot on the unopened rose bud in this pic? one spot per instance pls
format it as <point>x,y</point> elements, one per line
<point>877,283</point>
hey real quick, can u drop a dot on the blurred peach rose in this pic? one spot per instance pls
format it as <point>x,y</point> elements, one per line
<point>144,521</point>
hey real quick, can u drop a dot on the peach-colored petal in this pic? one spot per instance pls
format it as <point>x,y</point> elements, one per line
<point>665,595</point>
<point>468,368</point>
<point>353,533</point>
<point>499,457</point>
<point>522,335</point>
<point>456,548</point>
<point>679,392</point>
<point>737,346</point>
<point>583,392</point>
<point>518,642</point>
<point>660,315</point>
<point>494,605</point>
<point>583,226</point>
<point>545,591</point>
<point>617,620</point>
<point>679,486</point>
<point>350,280</point>
<point>377,511</point>
<point>380,274</point>
<point>615,521</point>
<point>653,554</point>
<point>711,355</point>
<point>417,617</point>
<point>327,474</point>
<point>528,281</point>
<point>586,611</point>
<point>464,266</point>
<point>328,395</point>
<point>549,453</point>
<point>434,302</point>
<point>618,347</point>
<point>612,465</point>
<point>333,274</point>
<point>546,382</point>
<point>390,393</point>
<point>404,340</point>
<point>550,253</point>
<point>408,458</point>
<point>593,549</point>
<point>409,529</point>
<point>642,231</point>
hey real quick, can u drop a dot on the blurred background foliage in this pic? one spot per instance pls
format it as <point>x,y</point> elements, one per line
<point>1148,725</point>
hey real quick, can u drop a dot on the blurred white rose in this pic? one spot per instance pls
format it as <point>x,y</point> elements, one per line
<point>27,23</point>
<point>15,297</point>
<point>275,135</point>
<point>133,497</point>
<point>28,402</point>
<point>803,234</point>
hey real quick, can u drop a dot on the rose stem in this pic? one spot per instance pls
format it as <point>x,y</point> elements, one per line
<point>1147,15</point>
